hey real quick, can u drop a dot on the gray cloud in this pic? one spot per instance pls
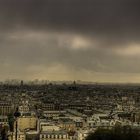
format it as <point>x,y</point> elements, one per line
<point>49,48</point>
<point>69,38</point>
<point>119,18</point>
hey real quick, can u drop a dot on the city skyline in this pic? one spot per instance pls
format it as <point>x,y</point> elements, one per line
<point>69,40</point>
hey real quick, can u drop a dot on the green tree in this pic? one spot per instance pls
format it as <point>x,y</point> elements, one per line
<point>11,122</point>
<point>117,133</point>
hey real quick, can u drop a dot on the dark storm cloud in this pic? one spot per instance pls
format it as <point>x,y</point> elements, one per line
<point>114,19</point>
<point>45,49</point>
<point>69,37</point>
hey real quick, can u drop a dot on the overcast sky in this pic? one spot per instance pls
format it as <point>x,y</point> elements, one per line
<point>89,40</point>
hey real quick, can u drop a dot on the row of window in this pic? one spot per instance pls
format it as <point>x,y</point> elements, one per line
<point>53,136</point>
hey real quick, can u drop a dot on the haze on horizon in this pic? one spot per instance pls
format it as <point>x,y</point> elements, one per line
<point>88,40</point>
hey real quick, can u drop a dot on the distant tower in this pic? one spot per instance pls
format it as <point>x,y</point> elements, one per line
<point>74,83</point>
<point>21,83</point>
<point>21,86</point>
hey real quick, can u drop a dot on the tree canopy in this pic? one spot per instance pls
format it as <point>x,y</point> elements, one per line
<point>117,133</point>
